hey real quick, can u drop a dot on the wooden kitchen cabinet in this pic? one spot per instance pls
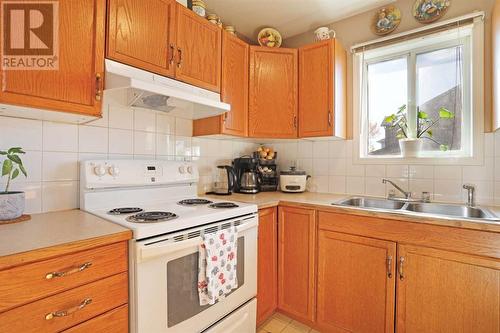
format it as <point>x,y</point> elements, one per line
<point>198,50</point>
<point>296,262</point>
<point>273,100</point>
<point>322,89</point>
<point>234,91</point>
<point>143,36</point>
<point>267,274</point>
<point>356,283</point>
<point>165,37</point>
<point>441,291</point>
<point>76,86</point>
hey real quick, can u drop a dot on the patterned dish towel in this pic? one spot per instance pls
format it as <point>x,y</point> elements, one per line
<point>217,265</point>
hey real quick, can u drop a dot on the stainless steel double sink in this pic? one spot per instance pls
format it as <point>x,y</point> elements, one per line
<point>420,208</point>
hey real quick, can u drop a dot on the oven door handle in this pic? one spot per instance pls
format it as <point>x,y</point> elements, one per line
<point>152,251</point>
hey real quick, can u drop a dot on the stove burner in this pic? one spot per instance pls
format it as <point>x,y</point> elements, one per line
<point>151,217</point>
<point>194,202</point>
<point>125,210</point>
<point>222,205</point>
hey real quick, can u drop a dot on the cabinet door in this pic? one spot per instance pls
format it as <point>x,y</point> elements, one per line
<point>199,44</point>
<point>440,291</point>
<point>234,91</point>
<point>77,85</point>
<point>272,109</point>
<point>316,73</point>
<point>356,283</point>
<point>322,89</point>
<point>142,35</point>
<point>267,278</point>
<point>296,262</point>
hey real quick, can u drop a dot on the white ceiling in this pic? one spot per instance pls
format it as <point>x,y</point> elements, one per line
<point>289,17</point>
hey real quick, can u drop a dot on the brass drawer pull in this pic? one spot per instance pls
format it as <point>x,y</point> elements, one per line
<point>68,272</point>
<point>172,55</point>
<point>401,272</point>
<point>98,87</point>
<point>179,64</point>
<point>64,313</point>
<point>389,267</point>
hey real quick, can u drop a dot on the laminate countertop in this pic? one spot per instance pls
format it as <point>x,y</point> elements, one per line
<point>53,234</point>
<point>324,201</point>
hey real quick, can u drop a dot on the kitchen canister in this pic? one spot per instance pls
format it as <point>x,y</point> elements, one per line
<point>199,7</point>
<point>230,29</point>
<point>213,18</point>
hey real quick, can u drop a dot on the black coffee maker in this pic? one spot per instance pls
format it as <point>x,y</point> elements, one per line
<point>248,179</point>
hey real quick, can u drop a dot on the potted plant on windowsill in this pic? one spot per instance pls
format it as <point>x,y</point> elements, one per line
<point>12,202</point>
<point>411,146</point>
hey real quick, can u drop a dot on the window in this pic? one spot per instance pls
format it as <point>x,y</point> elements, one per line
<point>420,88</point>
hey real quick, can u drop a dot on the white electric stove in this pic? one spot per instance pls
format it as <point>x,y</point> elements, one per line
<point>157,200</point>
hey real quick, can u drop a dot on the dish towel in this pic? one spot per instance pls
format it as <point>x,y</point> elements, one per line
<point>217,265</point>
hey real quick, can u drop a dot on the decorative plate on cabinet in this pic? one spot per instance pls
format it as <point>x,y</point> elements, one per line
<point>269,37</point>
<point>427,11</point>
<point>386,20</point>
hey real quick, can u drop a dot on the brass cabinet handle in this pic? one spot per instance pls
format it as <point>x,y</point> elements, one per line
<point>172,54</point>
<point>77,269</point>
<point>64,313</point>
<point>98,86</point>
<point>179,64</point>
<point>401,272</point>
<point>329,118</point>
<point>295,121</point>
<point>389,267</point>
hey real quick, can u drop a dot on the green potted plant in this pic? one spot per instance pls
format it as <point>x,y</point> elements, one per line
<point>411,146</point>
<point>11,202</point>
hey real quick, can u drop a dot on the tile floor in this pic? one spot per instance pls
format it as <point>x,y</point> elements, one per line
<point>279,323</point>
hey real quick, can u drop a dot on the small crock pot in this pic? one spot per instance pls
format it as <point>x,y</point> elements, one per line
<point>293,180</point>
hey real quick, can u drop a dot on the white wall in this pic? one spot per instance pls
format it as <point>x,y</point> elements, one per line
<point>54,150</point>
<point>331,166</point>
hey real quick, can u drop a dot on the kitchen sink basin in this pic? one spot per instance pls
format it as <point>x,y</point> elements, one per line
<point>450,210</point>
<point>363,202</point>
<point>417,208</point>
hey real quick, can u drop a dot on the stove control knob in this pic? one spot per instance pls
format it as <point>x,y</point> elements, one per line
<point>99,170</point>
<point>190,169</point>
<point>114,170</point>
<point>182,169</point>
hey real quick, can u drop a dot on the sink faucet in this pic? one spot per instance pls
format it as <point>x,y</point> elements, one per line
<point>407,195</point>
<point>471,194</point>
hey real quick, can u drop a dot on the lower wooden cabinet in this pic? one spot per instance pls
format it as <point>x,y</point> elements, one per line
<point>114,321</point>
<point>296,262</point>
<point>356,283</point>
<point>267,277</point>
<point>441,291</point>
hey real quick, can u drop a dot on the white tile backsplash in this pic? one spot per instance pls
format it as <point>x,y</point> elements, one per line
<point>54,150</point>
<point>345,176</point>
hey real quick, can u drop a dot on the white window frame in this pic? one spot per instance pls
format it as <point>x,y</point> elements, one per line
<point>472,37</point>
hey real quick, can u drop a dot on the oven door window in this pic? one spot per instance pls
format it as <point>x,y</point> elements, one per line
<point>182,288</point>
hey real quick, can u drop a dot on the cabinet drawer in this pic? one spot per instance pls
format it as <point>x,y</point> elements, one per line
<point>102,296</point>
<point>114,321</point>
<point>24,284</point>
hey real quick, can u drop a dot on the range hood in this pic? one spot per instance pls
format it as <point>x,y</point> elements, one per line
<point>148,90</point>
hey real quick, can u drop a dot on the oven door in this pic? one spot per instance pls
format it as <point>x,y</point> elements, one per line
<point>165,293</point>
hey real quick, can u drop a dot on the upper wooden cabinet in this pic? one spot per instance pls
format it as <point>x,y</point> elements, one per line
<point>356,283</point>
<point>441,291</point>
<point>322,89</point>
<point>77,85</point>
<point>234,91</point>
<point>198,50</point>
<point>272,109</point>
<point>165,37</point>
<point>267,272</point>
<point>296,262</point>
<point>496,65</point>
<point>142,35</point>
